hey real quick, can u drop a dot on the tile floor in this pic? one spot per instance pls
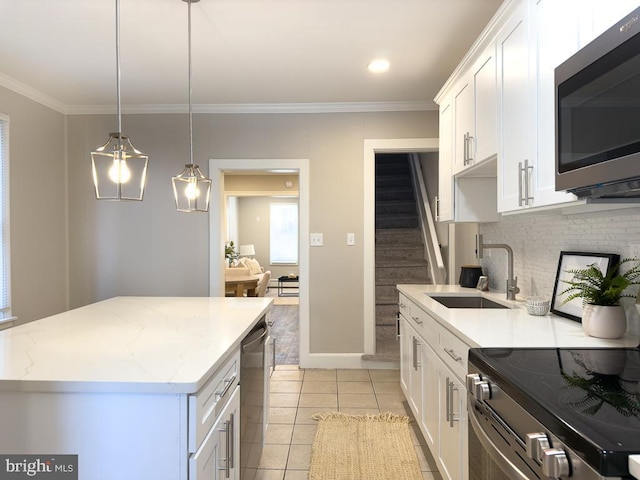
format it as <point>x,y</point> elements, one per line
<point>296,394</point>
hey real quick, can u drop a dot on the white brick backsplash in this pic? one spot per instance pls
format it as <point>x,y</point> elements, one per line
<point>538,239</point>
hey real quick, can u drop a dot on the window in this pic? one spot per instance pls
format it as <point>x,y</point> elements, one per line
<point>283,233</point>
<point>5,271</point>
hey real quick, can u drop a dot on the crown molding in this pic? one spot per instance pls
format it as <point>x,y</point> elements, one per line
<point>230,108</point>
<point>237,108</point>
<point>32,94</point>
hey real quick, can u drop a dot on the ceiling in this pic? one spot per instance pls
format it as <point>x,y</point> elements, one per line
<point>245,52</point>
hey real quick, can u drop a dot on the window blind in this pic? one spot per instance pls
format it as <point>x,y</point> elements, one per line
<point>5,270</point>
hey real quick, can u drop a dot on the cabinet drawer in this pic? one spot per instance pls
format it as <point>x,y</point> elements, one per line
<point>404,306</point>
<point>205,406</point>
<point>424,325</point>
<point>453,351</point>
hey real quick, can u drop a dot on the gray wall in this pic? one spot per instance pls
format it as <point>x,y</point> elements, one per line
<point>38,185</point>
<point>149,249</point>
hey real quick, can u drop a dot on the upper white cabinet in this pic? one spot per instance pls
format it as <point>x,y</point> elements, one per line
<point>501,100</point>
<point>475,113</point>
<point>515,152</point>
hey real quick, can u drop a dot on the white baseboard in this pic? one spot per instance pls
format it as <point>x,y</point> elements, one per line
<point>342,360</point>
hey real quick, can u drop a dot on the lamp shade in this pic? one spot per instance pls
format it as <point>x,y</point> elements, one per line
<point>119,169</point>
<point>191,190</point>
<point>247,250</point>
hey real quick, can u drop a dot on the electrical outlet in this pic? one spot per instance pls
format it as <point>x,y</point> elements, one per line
<point>316,240</point>
<point>634,250</point>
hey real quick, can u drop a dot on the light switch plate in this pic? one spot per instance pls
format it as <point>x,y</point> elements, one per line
<point>351,238</point>
<point>316,240</point>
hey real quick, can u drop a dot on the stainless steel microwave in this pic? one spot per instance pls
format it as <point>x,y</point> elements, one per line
<point>598,115</point>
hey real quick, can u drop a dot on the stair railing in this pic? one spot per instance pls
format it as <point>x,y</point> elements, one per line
<point>427,225</point>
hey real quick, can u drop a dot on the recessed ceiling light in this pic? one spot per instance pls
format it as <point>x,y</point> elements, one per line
<point>379,65</point>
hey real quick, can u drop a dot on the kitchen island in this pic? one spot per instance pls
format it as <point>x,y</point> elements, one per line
<point>120,382</point>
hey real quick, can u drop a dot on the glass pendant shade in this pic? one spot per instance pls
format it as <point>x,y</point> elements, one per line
<point>119,170</point>
<point>191,190</point>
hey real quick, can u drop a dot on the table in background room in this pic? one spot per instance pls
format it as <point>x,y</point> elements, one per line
<point>287,279</point>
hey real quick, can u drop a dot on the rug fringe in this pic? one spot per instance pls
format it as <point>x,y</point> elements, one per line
<point>388,417</point>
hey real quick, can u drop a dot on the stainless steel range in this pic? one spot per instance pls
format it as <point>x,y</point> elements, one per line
<point>553,413</point>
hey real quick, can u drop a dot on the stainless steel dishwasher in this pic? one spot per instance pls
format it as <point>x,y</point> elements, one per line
<point>254,391</point>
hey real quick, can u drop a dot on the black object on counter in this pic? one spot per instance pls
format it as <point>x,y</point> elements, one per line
<point>469,275</point>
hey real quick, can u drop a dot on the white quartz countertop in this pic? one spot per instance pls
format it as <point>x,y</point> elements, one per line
<point>127,344</point>
<point>512,327</point>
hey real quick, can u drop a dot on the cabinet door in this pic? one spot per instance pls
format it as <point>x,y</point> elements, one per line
<point>218,458</point>
<point>444,203</point>
<point>514,106</point>
<point>452,450</point>
<point>430,410</point>
<point>485,137</point>
<point>463,118</point>
<point>605,13</point>
<point>406,353</point>
<point>557,37</point>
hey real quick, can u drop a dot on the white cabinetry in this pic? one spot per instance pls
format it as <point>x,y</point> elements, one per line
<point>515,152</point>
<point>444,200</point>
<point>433,365</point>
<point>217,458</point>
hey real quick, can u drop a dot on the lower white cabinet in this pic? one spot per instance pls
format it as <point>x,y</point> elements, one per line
<point>218,456</point>
<point>430,368</point>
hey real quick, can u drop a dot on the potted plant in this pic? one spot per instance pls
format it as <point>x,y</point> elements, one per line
<point>230,253</point>
<point>602,314</point>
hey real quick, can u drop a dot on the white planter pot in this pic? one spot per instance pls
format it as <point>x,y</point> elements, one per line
<point>604,321</point>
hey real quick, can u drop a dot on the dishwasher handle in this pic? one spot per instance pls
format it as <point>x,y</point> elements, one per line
<point>245,346</point>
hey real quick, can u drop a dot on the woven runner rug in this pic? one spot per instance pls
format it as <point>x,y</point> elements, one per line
<point>363,447</point>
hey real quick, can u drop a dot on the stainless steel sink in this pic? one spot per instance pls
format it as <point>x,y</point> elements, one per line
<point>467,302</point>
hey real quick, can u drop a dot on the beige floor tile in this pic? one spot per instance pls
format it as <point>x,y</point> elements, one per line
<point>304,414</point>
<point>319,387</point>
<point>427,463</point>
<point>284,400</point>
<point>299,457</point>
<point>281,386</point>
<point>263,474</point>
<point>296,475</point>
<point>360,411</point>
<point>385,375</point>
<point>279,434</point>
<point>304,434</point>
<point>428,476</point>
<point>282,415</point>
<point>355,387</point>
<point>387,388</point>
<point>295,375</point>
<point>320,375</point>
<point>357,400</point>
<point>388,402</point>
<point>274,457</point>
<point>319,400</point>
<point>353,376</point>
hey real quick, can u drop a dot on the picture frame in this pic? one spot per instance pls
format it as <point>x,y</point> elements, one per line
<point>574,261</point>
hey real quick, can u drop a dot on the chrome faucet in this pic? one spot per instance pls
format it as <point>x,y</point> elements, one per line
<point>512,282</point>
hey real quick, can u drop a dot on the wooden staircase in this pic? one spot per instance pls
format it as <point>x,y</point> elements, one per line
<point>399,248</point>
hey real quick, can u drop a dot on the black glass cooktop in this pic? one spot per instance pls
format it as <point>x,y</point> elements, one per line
<point>589,398</point>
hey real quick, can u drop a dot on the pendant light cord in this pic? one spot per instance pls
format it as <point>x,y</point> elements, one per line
<point>118,66</point>
<point>190,113</point>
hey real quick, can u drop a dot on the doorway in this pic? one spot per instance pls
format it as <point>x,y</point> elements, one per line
<point>218,225</point>
<point>371,147</point>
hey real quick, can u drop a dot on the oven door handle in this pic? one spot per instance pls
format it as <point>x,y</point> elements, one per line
<point>496,455</point>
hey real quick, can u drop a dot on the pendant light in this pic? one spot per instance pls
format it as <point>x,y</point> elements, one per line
<point>191,188</point>
<point>119,169</point>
